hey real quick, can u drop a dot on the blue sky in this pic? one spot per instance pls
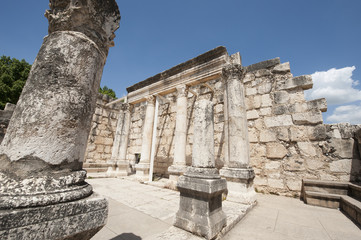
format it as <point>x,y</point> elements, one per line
<point>314,36</point>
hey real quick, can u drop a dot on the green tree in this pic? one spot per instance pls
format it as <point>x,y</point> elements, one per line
<point>107,91</point>
<point>13,75</point>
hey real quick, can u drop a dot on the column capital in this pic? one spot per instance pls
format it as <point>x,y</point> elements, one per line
<point>126,107</point>
<point>232,70</point>
<point>182,91</point>
<point>150,99</point>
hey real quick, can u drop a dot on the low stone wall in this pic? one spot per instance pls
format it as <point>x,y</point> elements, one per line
<point>101,136</point>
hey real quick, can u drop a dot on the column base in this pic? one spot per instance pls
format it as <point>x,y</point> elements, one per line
<point>200,210</point>
<point>142,170</point>
<point>123,168</point>
<point>175,171</point>
<point>80,219</point>
<point>240,184</point>
<point>119,169</point>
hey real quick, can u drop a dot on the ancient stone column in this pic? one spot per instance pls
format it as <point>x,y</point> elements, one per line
<point>201,187</point>
<point>43,194</point>
<point>142,168</point>
<point>236,168</point>
<point>119,162</point>
<point>180,139</point>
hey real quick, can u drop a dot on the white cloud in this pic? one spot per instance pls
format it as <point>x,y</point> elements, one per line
<point>336,85</point>
<point>346,113</point>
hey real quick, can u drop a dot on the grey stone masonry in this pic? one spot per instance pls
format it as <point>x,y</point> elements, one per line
<point>42,181</point>
<point>200,209</point>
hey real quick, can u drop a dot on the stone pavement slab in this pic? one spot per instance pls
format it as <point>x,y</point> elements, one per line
<point>140,211</point>
<point>276,217</point>
<point>147,212</point>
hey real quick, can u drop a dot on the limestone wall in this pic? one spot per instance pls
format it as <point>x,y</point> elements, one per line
<point>101,136</point>
<point>288,140</point>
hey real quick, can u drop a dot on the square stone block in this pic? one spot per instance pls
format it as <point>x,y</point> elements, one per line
<point>200,210</point>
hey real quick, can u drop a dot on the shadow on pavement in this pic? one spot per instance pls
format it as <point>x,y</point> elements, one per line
<point>127,236</point>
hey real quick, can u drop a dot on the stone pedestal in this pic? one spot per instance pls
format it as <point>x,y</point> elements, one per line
<point>180,139</point>
<point>201,187</point>
<point>119,165</point>
<point>236,168</point>
<point>142,168</point>
<point>43,193</point>
<point>200,209</point>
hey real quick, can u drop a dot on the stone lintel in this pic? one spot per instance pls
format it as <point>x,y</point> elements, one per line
<point>264,64</point>
<point>203,58</point>
<point>200,210</point>
<point>79,219</point>
<point>238,174</point>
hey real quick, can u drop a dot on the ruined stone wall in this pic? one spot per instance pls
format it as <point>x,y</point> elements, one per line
<point>101,136</point>
<point>288,139</point>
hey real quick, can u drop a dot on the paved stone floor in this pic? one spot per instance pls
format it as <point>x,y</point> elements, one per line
<point>138,211</point>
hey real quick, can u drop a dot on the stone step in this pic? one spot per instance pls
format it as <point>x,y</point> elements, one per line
<point>354,190</point>
<point>345,196</point>
<point>352,208</point>
<point>330,187</point>
<point>96,170</point>
<point>322,199</point>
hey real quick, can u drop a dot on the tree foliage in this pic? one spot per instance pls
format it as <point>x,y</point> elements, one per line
<point>107,91</point>
<point>13,75</point>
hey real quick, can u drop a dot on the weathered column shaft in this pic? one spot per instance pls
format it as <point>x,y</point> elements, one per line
<point>52,119</point>
<point>203,142</point>
<point>147,131</point>
<point>180,140</point>
<point>41,155</point>
<point>236,167</point>
<point>119,165</point>
<point>142,168</point>
<point>120,145</point>
<point>237,142</point>
<point>201,188</point>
